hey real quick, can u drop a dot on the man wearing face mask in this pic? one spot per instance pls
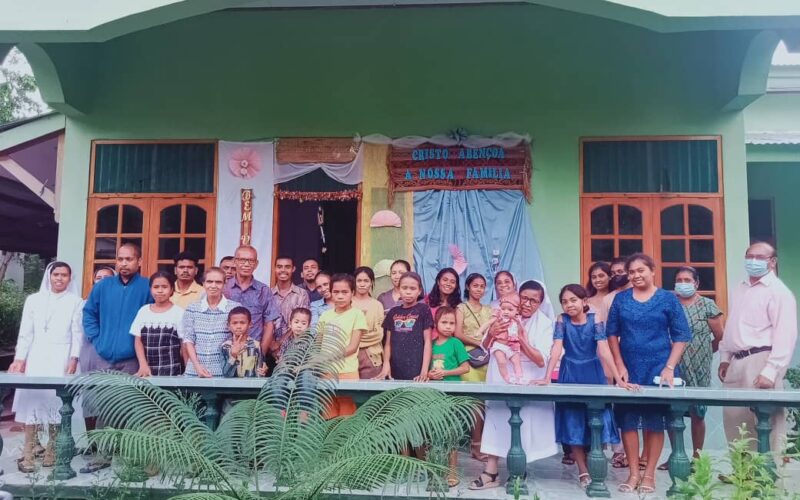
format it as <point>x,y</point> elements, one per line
<point>759,340</point>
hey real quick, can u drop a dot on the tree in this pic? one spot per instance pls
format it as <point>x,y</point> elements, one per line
<point>18,91</point>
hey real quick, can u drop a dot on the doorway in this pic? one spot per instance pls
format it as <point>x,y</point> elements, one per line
<point>333,242</point>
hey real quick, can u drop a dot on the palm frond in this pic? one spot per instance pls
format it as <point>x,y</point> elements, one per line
<point>362,473</point>
<point>122,401</point>
<point>174,459</point>
<point>243,495</point>
<point>389,421</point>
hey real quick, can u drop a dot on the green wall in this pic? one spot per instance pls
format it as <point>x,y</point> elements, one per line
<point>243,75</point>
<point>779,182</point>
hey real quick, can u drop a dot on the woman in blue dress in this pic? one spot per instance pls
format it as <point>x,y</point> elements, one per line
<point>583,341</point>
<point>647,333</point>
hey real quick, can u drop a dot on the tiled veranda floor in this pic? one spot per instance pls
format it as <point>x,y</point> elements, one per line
<point>548,479</point>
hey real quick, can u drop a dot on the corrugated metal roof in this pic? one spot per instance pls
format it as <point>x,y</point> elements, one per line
<point>783,137</point>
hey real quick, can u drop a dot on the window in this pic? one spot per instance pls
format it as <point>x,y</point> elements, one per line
<point>675,228</point>
<point>174,210</point>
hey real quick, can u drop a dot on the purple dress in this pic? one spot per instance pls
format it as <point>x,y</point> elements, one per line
<point>646,331</point>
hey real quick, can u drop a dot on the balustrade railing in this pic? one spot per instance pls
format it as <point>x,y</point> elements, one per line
<point>214,390</point>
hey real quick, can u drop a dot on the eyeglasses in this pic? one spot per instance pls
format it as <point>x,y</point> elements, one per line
<point>529,300</point>
<point>245,261</point>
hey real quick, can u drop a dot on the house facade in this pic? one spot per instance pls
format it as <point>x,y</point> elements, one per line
<point>634,116</point>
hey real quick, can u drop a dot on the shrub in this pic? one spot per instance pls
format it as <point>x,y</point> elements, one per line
<point>11,302</point>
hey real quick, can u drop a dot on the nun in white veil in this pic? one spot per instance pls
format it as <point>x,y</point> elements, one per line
<point>50,337</point>
<point>538,418</point>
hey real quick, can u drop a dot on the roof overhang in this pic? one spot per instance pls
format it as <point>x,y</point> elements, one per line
<point>48,21</point>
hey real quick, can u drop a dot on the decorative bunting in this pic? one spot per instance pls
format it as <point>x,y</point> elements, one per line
<point>301,196</point>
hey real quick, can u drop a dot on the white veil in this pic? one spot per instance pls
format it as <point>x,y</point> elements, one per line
<point>72,287</point>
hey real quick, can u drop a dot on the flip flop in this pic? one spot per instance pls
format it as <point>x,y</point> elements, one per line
<point>478,484</point>
<point>94,467</point>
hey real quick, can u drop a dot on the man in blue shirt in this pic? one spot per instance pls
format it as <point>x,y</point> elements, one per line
<point>107,316</point>
<point>254,295</point>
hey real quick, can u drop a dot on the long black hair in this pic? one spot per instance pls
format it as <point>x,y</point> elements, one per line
<point>435,297</point>
<point>603,266</point>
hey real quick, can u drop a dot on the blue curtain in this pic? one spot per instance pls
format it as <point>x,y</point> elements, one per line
<point>493,229</point>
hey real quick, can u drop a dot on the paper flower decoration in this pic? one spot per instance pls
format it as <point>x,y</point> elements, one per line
<point>245,163</point>
<point>459,261</point>
<point>385,218</point>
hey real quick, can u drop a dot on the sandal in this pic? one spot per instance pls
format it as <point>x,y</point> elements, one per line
<point>619,461</point>
<point>585,480</point>
<point>95,466</point>
<point>630,486</point>
<point>452,481</point>
<point>645,489</point>
<point>479,483</point>
<point>664,466</point>
<point>567,459</point>
<point>475,451</point>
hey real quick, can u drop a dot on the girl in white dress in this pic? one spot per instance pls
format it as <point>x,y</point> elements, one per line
<point>49,342</point>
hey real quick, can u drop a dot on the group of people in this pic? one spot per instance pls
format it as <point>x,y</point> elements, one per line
<point>619,329</point>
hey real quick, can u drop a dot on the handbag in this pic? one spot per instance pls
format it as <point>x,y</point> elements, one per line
<point>479,356</point>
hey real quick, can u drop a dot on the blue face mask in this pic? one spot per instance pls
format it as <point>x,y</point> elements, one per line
<point>685,290</point>
<point>756,268</point>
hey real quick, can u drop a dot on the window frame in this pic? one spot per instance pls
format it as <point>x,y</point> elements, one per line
<point>651,205</point>
<point>150,204</point>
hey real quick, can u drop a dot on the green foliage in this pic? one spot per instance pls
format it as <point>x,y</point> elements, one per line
<point>17,90</point>
<point>751,476</point>
<point>701,484</point>
<point>793,437</point>
<point>11,302</point>
<point>281,432</point>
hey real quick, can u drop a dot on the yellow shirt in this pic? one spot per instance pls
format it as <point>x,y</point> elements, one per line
<point>345,323</point>
<point>183,298</point>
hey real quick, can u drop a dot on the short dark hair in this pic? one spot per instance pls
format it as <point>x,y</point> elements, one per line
<point>227,257</point>
<point>300,310</point>
<point>163,274</point>
<point>284,257</point>
<point>617,260</point>
<point>186,255</point>
<point>346,278</point>
<point>441,312</point>
<point>312,259</point>
<point>576,290</point>
<point>648,261</point>
<point>240,310</point>
<point>134,248</point>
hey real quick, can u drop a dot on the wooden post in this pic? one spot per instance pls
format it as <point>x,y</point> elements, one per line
<point>516,460</point>
<point>65,444</point>
<point>679,463</point>
<point>596,459</point>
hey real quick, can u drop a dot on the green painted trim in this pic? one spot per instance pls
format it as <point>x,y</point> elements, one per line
<point>773,153</point>
<point>755,70</point>
<point>47,78</point>
<point>34,129</point>
<point>89,21</point>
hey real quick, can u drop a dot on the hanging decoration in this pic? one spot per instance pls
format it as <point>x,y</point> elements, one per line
<point>247,217</point>
<point>385,218</point>
<point>245,162</point>
<point>321,224</point>
<point>301,196</point>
